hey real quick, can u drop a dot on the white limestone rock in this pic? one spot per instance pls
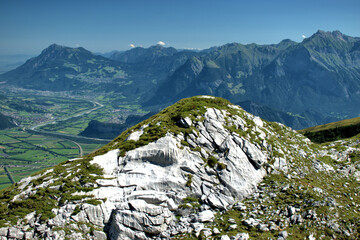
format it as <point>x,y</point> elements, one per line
<point>219,201</point>
<point>280,164</point>
<point>141,217</point>
<point>321,166</point>
<point>94,214</point>
<point>225,237</point>
<point>158,170</point>
<point>205,216</point>
<point>98,235</point>
<point>240,176</point>
<point>185,122</point>
<point>30,234</point>
<point>108,161</point>
<point>15,233</point>
<point>254,154</point>
<point>135,136</point>
<point>141,191</point>
<point>142,206</point>
<point>4,231</point>
<point>242,236</point>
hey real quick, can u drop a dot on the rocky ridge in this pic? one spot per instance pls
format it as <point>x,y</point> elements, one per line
<point>202,168</point>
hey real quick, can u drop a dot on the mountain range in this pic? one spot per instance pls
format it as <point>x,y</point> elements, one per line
<point>317,80</point>
<point>320,74</point>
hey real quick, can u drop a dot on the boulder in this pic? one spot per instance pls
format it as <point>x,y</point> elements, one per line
<point>15,233</point>
<point>184,122</point>
<point>98,235</point>
<point>224,237</point>
<point>4,231</point>
<point>242,236</point>
<point>205,216</point>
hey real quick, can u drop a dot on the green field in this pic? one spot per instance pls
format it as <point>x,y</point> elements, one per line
<point>24,151</point>
<point>24,154</point>
<point>108,113</point>
<point>28,108</point>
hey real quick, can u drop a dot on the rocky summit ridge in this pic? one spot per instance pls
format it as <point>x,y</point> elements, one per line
<point>200,169</point>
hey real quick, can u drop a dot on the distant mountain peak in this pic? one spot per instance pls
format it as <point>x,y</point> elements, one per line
<point>322,32</point>
<point>287,41</point>
<point>140,54</point>
<point>58,51</point>
<point>61,67</point>
<point>54,47</point>
<point>157,46</point>
<point>331,34</point>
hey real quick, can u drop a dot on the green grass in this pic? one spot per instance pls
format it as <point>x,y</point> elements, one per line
<point>167,121</point>
<point>189,180</point>
<point>90,147</point>
<point>76,125</point>
<point>333,131</point>
<point>28,108</point>
<point>43,201</point>
<point>212,161</point>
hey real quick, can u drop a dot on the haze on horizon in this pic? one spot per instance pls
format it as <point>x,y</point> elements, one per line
<point>27,27</point>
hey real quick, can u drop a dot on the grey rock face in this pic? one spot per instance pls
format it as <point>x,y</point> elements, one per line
<point>185,122</point>
<point>205,216</point>
<point>98,235</point>
<point>141,191</point>
<point>254,154</point>
<point>155,177</point>
<point>15,233</point>
<point>3,232</point>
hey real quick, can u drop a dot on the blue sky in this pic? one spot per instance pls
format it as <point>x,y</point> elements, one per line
<point>27,27</point>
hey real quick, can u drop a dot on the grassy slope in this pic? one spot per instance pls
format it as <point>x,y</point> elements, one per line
<point>333,131</point>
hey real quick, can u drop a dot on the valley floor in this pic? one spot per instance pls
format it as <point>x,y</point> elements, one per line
<point>48,125</point>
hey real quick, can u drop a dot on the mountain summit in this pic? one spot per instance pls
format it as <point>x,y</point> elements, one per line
<point>60,68</point>
<point>140,54</point>
<point>57,52</point>
<point>200,168</point>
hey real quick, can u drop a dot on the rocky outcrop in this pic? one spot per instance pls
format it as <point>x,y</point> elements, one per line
<point>153,178</point>
<point>177,183</point>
